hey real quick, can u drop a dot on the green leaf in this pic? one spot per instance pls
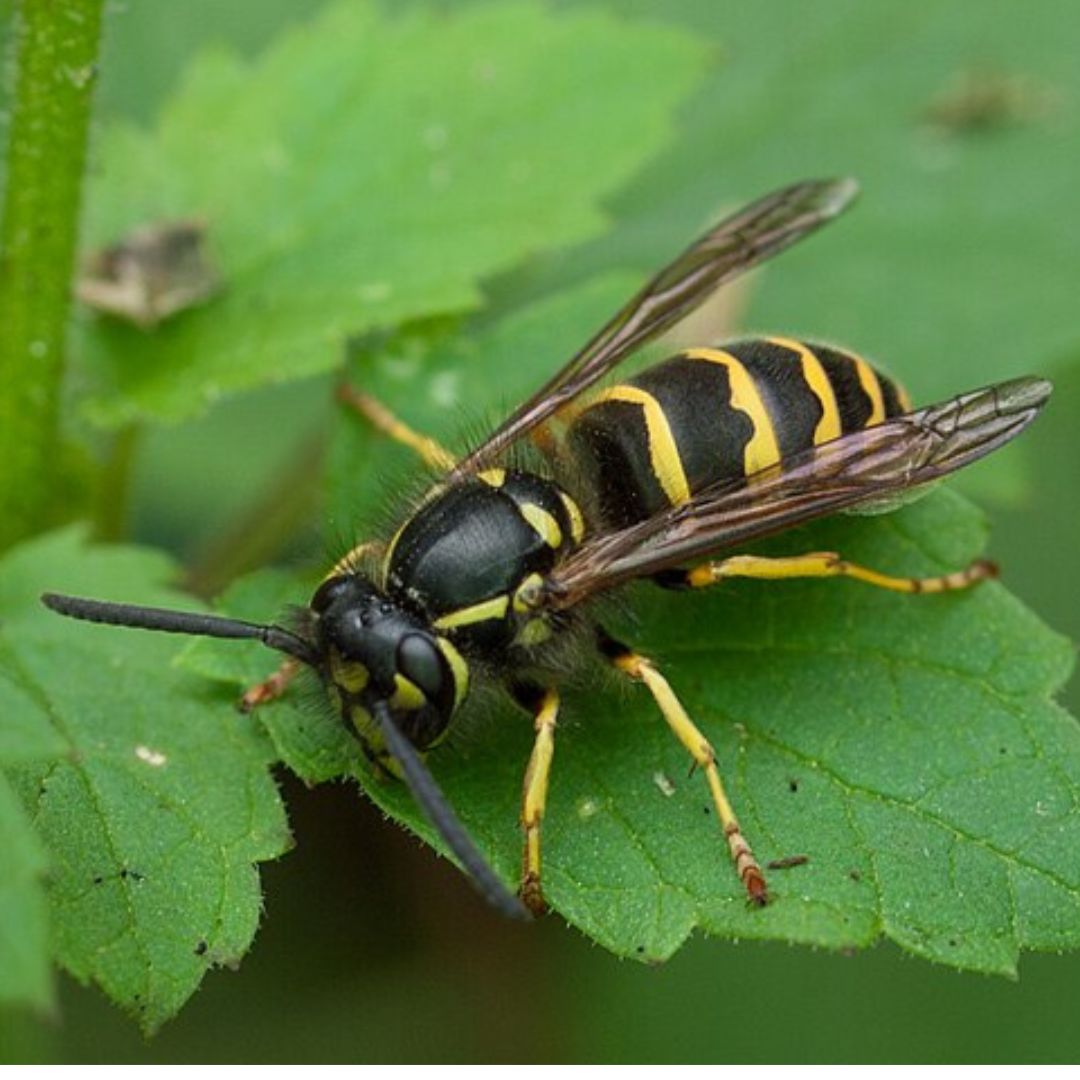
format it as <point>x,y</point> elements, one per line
<point>952,270</point>
<point>306,734</point>
<point>154,804</point>
<point>369,169</point>
<point>26,736</point>
<point>25,971</point>
<point>909,746</point>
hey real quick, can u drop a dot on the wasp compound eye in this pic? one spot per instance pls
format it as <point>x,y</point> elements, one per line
<point>419,661</point>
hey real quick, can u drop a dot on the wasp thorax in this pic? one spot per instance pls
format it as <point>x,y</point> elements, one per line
<point>376,650</point>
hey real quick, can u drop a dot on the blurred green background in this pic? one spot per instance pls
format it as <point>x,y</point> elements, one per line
<point>956,118</point>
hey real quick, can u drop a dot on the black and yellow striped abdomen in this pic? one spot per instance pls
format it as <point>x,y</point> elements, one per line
<point>707,415</point>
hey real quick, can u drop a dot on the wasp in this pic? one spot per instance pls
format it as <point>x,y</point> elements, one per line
<point>659,476</point>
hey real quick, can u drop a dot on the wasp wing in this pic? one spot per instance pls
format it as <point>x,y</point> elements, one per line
<point>739,242</point>
<point>869,465</point>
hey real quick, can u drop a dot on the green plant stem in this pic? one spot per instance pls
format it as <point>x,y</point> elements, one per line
<point>113,496</point>
<point>55,53</point>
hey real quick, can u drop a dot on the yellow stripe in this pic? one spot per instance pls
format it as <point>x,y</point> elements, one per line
<point>543,523</point>
<point>527,594</point>
<point>903,397</point>
<point>577,521</point>
<point>869,380</point>
<point>388,558</point>
<point>828,427</point>
<point>762,450</point>
<point>495,608</point>
<point>492,477</point>
<point>663,453</point>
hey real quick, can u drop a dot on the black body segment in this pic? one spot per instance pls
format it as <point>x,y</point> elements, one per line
<point>468,544</point>
<point>710,415</point>
<point>461,560</point>
<point>612,441</point>
<point>794,410</point>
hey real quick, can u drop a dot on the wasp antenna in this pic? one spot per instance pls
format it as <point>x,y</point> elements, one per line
<point>441,814</point>
<point>179,622</point>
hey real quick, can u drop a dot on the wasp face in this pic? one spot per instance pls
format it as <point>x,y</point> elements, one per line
<point>377,651</point>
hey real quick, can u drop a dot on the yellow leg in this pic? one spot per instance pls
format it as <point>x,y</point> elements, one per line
<point>686,731</point>
<point>545,708</point>
<point>829,564</point>
<point>432,454</point>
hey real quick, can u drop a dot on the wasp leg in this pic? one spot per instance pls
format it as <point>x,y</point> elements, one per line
<point>544,705</point>
<point>431,453</point>
<point>637,667</point>
<point>270,689</point>
<point>822,564</point>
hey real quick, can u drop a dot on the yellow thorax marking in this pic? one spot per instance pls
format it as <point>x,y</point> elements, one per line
<point>664,454</point>
<point>495,608</point>
<point>869,381</point>
<point>762,450</point>
<point>528,593</point>
<point>492,477</point>
<point>352,560</point>
<point>389,556</point>
<point>828,427</point>
<point>544,523</point>
<point>577,519</point>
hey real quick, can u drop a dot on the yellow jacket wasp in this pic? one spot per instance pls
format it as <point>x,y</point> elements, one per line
<point>691,457</point>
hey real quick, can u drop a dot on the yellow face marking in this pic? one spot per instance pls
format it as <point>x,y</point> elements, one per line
<point>390,763</point>
<point>545,525</point>
<point>903,397</point>
<point>577,519</point>
<point>407,695</point>
<point>492,477</point>
<point>350,675</point>
<point>869,381</point>
<point>663,453</point>
<point>828,427</point>
<point>366,727</point>
<point>458,667</point>
<point>762,450</point>
<point>495,608</point>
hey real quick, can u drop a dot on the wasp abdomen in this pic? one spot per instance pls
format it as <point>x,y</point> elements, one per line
<point>707,415</point>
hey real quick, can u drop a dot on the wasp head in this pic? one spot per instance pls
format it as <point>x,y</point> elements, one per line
<point>378,652</point>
